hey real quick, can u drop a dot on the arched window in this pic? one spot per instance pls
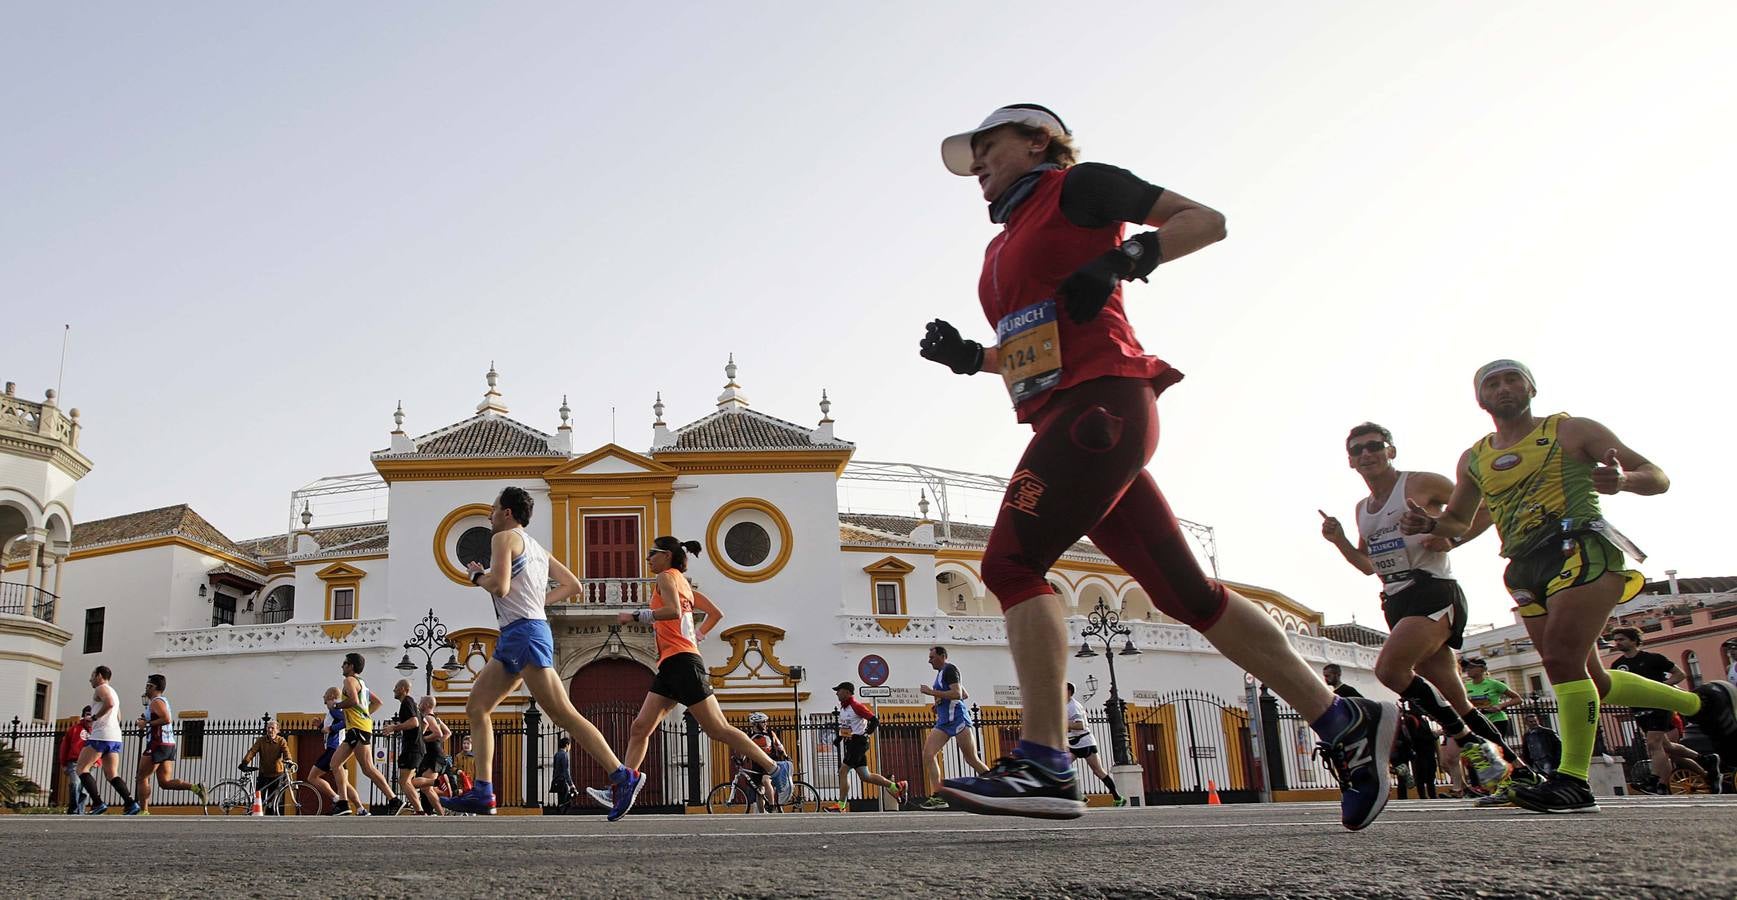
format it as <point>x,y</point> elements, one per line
<point>280,605</point>
<point>1692,668</point>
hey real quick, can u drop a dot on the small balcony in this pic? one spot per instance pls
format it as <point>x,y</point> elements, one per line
<point>25,600</point>
<point>610,594</point>
<point>222,640</point>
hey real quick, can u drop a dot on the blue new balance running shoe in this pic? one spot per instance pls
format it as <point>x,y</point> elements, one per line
<point>1017,787</point>
<point>1358,757</point>
<point>624,787</point>
<point>475,801</point>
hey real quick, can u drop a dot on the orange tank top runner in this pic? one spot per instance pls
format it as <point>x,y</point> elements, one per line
<point>675,635</point>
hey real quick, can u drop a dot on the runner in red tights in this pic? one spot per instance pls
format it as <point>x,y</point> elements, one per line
<point>1051,287</point>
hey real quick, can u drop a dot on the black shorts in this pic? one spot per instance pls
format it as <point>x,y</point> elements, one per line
<point>1505,726</point>
<point>1654,719</point>
<point>163,753</point>
<point>856,751</point>
<point>326,759</point>
<point>410,757</point>
<point>683,678</point>
<point>1430,597</point>
<point>433,761</point>
<point>355,737</point>
<point>1086,752</point>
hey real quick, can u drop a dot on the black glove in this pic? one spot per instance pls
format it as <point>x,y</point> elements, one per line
<point>942,344</point>
<point>1087,290</point>
<point>874,724</point>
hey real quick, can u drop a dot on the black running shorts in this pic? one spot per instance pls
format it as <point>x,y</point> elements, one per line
<point>683,678</point>
<point>1429,596</point>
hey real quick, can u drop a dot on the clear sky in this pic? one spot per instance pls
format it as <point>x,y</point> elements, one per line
<point>267,224</point>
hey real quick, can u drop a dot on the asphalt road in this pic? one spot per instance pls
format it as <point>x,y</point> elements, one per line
<point>1640,847</point>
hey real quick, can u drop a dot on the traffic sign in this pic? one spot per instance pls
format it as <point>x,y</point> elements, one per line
<point>875,693</point>
<point>873,670</point>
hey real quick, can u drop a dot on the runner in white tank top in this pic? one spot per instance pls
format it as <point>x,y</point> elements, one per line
<point>529,584</point>
<point>1424,606</point>
<point>157,756</point>
<point>517,581</point>
<point>1396,556</point>
<point>104,745</point>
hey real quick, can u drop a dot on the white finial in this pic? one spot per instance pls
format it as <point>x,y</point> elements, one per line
<point>491,401</point>
<point>733,394</point>
<point>398,418</point>
<point>825,408</point>
<point>657,409</point>
<point>565,412</point>
<point>307,515</point>
<point>923,504</point>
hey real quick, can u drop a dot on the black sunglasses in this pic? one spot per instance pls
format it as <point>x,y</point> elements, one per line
<point>1370,447</point>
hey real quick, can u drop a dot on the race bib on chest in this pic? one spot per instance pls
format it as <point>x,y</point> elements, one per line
<point>1030,350</point>
<point>1391,559</point>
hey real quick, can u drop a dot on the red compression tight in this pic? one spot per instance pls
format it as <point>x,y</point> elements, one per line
<point>1084,474</point>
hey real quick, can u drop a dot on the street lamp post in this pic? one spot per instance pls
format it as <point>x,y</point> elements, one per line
<point>1105,624</point>
<point>429,636</point>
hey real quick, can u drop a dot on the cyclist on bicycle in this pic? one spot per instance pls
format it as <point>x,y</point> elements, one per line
<point>760,732</point>
<point>274,756</point>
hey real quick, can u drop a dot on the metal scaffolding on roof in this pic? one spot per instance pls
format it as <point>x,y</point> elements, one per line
<point>937,481</point>
<point>302,498</point>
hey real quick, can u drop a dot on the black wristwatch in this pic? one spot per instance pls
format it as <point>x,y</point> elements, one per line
<point>1133,250</point>
<point>474,576</point>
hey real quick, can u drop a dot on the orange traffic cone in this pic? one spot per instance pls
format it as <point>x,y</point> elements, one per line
<point>258,808</point>
<point>1212,794</point>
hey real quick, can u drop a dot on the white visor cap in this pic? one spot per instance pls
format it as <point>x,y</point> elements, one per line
<point>956,150</point>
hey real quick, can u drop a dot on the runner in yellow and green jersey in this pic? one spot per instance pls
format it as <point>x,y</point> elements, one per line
<point>1540,477</point>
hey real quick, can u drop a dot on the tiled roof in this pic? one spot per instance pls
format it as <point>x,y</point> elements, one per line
<point>330,538</point>
<point>850,534</point>
<point>735,428</point>
<point>1353,633</point>
<point>178,520</point>
<point>235,572</point>
<point>485,434</point>
<point>899,528</point>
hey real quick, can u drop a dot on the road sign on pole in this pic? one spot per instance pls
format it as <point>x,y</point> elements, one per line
<point>875,693</point>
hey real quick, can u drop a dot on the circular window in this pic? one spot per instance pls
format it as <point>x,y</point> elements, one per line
<point>749,540</point>
<point>476,546</point>
<point>747,544</point>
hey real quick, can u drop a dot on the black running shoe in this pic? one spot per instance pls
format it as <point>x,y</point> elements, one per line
<point>1715,772</point>
<point>1358,758</point>
<point>340,811</point>
<point>394,806</point>
<point>1018,787</point>
<point>1560,794</point>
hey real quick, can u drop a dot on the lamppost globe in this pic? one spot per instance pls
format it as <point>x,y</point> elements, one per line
<point>405,665</point>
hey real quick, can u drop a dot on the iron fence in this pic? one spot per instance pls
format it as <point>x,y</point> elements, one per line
<point>1187,742</point>
<point>27,600</point>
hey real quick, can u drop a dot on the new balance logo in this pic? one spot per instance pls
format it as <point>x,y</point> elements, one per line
<point>1023,779</point>
<point>1357,753</point>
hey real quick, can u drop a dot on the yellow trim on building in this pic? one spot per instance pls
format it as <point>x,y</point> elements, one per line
<point>575,493</point>
<point>786,540</point>
<point>461,469</point>
<point>889,570</point>
<point>172,540</point>
<point>444,530</point>
<point>762,462</point>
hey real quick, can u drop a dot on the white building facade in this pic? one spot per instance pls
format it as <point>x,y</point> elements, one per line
<point>244,628</point>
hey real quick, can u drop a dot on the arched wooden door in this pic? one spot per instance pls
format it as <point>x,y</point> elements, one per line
<point>609,693</point>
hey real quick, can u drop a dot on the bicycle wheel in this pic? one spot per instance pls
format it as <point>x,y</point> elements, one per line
<point>803,799</point>
<point>303,799</point>
<point>727,798</point>
<point>230,798</point>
